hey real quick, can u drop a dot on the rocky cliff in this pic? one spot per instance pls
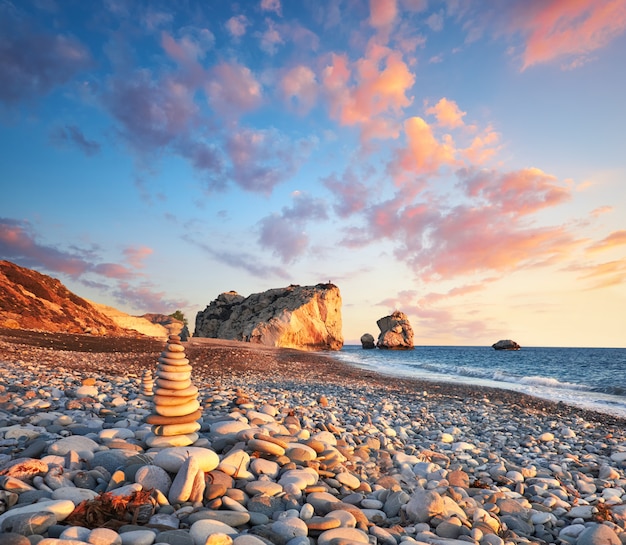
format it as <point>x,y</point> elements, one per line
<point>396,332</point>
<point>303,317</point>
<point>30,300</point>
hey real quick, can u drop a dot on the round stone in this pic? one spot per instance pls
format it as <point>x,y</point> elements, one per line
<point>177,429</point>
<point>171,459</point>
<point>266,447</point>
<point>160,441</point>
<point>189,407</point>
<point>173,368</point>
<point>202,529</point>
<point>173,384</point>
<point>153,476</point>
<point>159,420</point>
<point>166,401</point>
<point>339,535</point>
<point>104,536</point>
<point>173,355</point>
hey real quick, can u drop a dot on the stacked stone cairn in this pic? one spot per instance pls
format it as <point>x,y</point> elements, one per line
<point>176,407</point>
<point>147,383</point>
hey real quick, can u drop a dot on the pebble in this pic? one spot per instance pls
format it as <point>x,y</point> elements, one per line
<point>270,462</point>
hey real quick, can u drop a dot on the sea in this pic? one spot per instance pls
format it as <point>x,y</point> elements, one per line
<point>590,378</point>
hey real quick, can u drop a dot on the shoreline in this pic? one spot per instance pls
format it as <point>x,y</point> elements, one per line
<point>219,359</point>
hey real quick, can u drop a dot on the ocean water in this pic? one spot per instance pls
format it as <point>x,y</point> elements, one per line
<point>591,378</point>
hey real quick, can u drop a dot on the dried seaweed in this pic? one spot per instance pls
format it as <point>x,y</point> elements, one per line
<point>113,511</point>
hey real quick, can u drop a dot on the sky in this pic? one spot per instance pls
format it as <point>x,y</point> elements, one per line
<point>463,161</point>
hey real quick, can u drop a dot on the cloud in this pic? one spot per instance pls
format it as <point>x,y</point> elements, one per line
<point>517,193</point>
<point>33,62</point>
<point>601,210</point>
<point>18,243</point>
<point>299,88</point>
<point>373,95</point>
<point>113,270</point>
<point>435,21</point>
<point>232,89</point>
<point>350,193</point>
<point>447,113</point>
<point>424,153</point>
<point>148,299</point>
<point>136,255</point>
<point>151,113</point>
<point>604,275</point>
<point>271,38</point>
<point>616,238</point>
<point>239,260</point>
<point>284,233</point>
<point>382,13</point>
<point>557,29</point>
<point>272,5</point>
<point>237,25</point>
<point>262,159</point>
<point>71,134</point>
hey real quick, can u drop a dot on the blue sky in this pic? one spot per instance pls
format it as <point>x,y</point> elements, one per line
<point>460,161</point>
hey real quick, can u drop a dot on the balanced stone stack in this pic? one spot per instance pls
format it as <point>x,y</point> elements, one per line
<point>147,383</point>
<point>176,407</point>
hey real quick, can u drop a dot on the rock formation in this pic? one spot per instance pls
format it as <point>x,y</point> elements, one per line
<point>176,407</point>
<point>303,317</point>
<point>147,383</point>
<point>396,332</point>
<point>31,300</point>
<point>367,341</point>
<point>506,344</point>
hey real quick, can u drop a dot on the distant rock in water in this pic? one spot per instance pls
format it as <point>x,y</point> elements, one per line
<point>303,317</point>
<point>506,344</point>
<point>396,332</point>
<point>367,341</point>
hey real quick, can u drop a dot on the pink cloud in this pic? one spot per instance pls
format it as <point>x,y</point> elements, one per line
<point>606,275</point>
<point>271,5</point>
<point>237,25</point>
<point>555,29</point>
<point>233,89</point>
<point>601,210</point>
<point>146,298</point>
<point>470,240</point>
<point>482,148</point>
<point>113,270</point>
<point>136,255</point>
<point>374,94</point>
<point>351,194</point>
<point>424,153</point>
<point>382,13</point>
<point>518,193</point>
<point>447,113</point>
<point>299,88</point>
<point>616,238</point>
<point>18,243</point>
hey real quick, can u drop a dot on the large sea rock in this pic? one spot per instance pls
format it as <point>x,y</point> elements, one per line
<point>506,344</point>
<point>396,332</point>
<point>303,317</point>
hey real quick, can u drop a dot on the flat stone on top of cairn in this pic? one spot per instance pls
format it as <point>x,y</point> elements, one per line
<point>176,408</point>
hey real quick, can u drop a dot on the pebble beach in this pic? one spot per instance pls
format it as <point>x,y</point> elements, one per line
<point>292,448</point>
